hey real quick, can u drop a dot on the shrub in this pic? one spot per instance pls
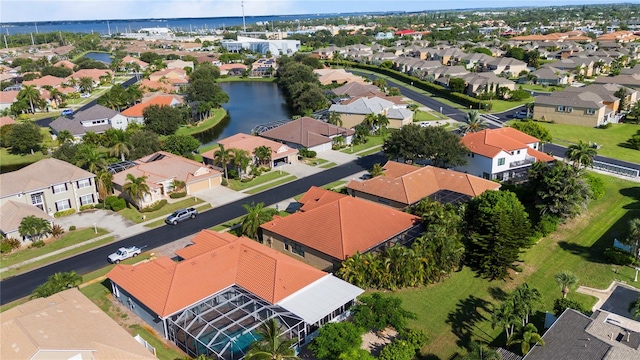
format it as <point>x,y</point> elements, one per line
<point>177,195</point>
<point>114,203</point>
<point>597,186</point>
<point>336,338</point>
<point>560,305</point>
<point>398,350</point>
<point>45,151</point>
<point>634,142</point>
<point>9,244</point>
<point>233,173</point>
<point>306,153</point>
<point>37,244</point>
<point>224,182</point>
<point>87,207</point>
<point>417,338</point>
<point>64,213</point>
<point>547,224</point>
<point>154,207</point>
<point>57,231</point>
<point>72,227</point>
<point>605,126</point>
<point>618,256</point>
<point>4,248</point>
<point>99,206</point>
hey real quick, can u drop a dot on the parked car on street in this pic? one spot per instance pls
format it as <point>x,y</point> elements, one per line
<point>521,115</point>
<point>181,215</point>
<point>67,112</point>
<point>124,253</point>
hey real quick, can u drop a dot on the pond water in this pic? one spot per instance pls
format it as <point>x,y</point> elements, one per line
<point>99,56</point>
<point>250,104</point>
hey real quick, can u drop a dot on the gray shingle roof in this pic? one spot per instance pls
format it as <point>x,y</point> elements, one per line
<point>306,131</point>
<point>74,125</point>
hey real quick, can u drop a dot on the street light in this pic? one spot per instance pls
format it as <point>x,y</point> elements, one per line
<point>636,278</point>
<point>95,229</point>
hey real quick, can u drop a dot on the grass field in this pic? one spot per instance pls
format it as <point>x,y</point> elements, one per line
<point>457,310</point>
<point>420,115</point>
<point>281,181</point>
<point>613,140</point>
<point>238,185</point>
<point>372,141</point>
<point>540,88</point>
<point>134,215</point>
<point>216,116</point>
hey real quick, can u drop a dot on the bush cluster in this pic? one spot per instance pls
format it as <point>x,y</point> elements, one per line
<point>177,195</point>
<point>64,213</point>
<point>547,224</point>
<point>72,227</point>
<point>154,207</point>
<point>597,186</point>
<point>306,153</point>
<point>87,207</point>
<point>9,244</point>
<point>618,256</point>
<point>37,244</point>
<point>114,203</point>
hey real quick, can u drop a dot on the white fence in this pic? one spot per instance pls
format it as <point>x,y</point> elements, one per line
<point>145,344</point>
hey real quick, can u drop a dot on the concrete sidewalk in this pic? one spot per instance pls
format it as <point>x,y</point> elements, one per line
<point>121,228</point>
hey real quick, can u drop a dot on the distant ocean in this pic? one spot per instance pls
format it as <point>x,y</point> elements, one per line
<point>119,26</point>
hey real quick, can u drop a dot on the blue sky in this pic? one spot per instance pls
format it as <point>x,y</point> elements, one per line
<point>43,10</point>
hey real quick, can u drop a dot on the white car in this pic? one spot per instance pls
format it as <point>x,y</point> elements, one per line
<point>124,253</point>
<point>85,95</point>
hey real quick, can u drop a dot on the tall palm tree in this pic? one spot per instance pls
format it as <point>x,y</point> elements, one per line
<point>86,84</point>
<point>382,121</point>
<point>581,154</point>
<point>34,227</point>
<point>256,216</point>
<point>479,351</point>
<point>566,280</point>
<point>222,157</point>
<point>31,95</point>
<point>634,235</point>
<point>525,299</point>
<point>64,136</point>
<point>505,317</point>
<point>263,153</point>
<point>241,160</point>
<point>370,121</point>
<point>634,309</point>
<point>104,183</point>
<point>526,337</point>
<point>272,345</point>
<point>136,188</point>
<point>376,170</point>
<point>335,118</point>
<point>91,158</point>
<point>473,123</point>
<point>134,93</point>
<point>120,149</point>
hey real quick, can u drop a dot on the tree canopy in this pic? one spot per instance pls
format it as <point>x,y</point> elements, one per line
<point>413,142</point>
<point>24,138</point>
<point>163,120</point>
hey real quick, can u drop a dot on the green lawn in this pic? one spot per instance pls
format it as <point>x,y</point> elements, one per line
<point>11,162</point>
<point>612,140</point>
<point>328,165</point>
<point>372,141</point>
<point>420,115</point>
<point>271,185</point>
<point>216,116</point>
<point>238,185</point>
<point>540,88</point>
<point>315,161</point>
<point>502,105</point>
<point>334,184</point>
<point>457,309</point>
<point>134,215</point>
<point>67,239</point>
<point>163,351</point>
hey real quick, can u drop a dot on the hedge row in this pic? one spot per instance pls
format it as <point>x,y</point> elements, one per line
<point>177,195</point>
<point>155,207</point>
<point>461,99</point>
<point>64,213</point>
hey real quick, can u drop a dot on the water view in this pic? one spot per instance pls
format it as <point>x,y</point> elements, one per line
<point>99,56</point>
<point>250,104</point>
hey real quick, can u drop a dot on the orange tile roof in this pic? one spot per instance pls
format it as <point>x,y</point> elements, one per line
<point>249,143</point>
<point>167,287</point>
<point>65,63</point>
<point>45,80</point>
<point>138,109</point>
<point>6,120</point>
<point>7,97</point>
<point>95,74</point>
<point>491,142</point>
<point>340,225</point>
<point>409,184</point>
<point>618,35</point>
<point>233,66</point>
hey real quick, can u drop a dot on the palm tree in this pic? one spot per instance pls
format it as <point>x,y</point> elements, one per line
<point>634,308</point>
<point>634,235</point>
<point>222,157</point>
<point>86,84</point>
<point>370,121</point>
<point>120,149</point>
<point>178,185</point>
<point>382,121</point>
<point>376,170</point>
<point>30,94</point>
<point>136,188</point>
<point>581,154</point>
<point>526,337</point>
<point>64,136</point>
<point>104,183</point>
<point>241,160</point>
<point>339,141</point>
<point>263,153</point>
<point>525,299</point>
<point>272,345</point>
<point>566,280</point>
<point>91,158</point>
<point>473,123</point>
<point>134,93</point>
<point>34,227</point>
<point>335,118</point>
<point>505,317</point>
<point>479,351</point>
<point>256,216</point>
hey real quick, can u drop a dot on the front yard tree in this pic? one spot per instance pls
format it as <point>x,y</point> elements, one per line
<point>534,129</point>
<point>263,154</point>
<point>183,145</point>
<point>30,95</point>
<point>56,283</point>
<point>335,339</point>
<point>566,280</point>
<point>222,158</point>
<point>136,188</point>
<point>24,138</point>
<point>498,231</point>
<point>34,228</point>
<point>413,142</point>
<point>473,123</point>
<point>560,190</point>
<point>86,84</point>
<point>104,184</point>
<point>257,215</point>
<point>241,160</point>
<point>271,346</point>
<point>581,154</point>
<point>163,120</point>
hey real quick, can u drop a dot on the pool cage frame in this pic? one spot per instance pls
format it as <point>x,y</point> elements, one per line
<point>230,315</point>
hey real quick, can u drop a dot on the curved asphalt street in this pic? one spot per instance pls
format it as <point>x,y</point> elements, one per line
<point>21,285</point>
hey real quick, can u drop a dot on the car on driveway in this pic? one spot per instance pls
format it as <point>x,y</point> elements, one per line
<point>181,215</point>
<point>521,115</point>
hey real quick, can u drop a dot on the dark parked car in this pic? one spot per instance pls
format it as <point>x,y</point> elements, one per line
<point>181,215</point>
<point>521,115</point>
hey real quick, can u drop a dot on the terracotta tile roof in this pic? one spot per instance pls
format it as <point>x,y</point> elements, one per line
<point>6,120</point>
<point>167,166</point>
<point>156,85</point>
<point>95,74</point>
<point>167,287</point>
<point>31,177</point>
<point>44,81</point>
<point>62,324</point>
<point>249,143</point>
<point>340,225</point>
<point>491,142</point>
<point>233,66</point>
<point>165,72</point>
<point>130,59</point>
<point>539,155</point>
<point>65,63</point>
<point>12,213</point>
<point>409,184</point>
<point>138,109</point>
<point>8,97</point>
<point>307,132</point>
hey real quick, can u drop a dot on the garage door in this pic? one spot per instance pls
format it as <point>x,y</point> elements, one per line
<point>200,185</point>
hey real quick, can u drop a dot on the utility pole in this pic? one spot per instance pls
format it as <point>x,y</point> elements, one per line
<point>244,25</point>
<point>5,42</point>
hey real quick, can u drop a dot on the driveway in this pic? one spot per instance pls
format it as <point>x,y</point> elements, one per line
<point>105,219</point>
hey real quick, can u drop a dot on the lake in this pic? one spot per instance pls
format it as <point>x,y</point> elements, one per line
<point>250,104</point>
<point>99,56</point>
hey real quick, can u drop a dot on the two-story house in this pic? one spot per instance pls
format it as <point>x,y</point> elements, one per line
<point>353,111</point>
<point>96,118</point>
<point>501,154</point>
<point>51,185</point>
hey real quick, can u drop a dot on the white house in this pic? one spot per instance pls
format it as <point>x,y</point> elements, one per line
<point>501,154</point>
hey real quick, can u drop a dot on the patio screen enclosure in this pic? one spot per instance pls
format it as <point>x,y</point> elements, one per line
<point>225,324</point>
